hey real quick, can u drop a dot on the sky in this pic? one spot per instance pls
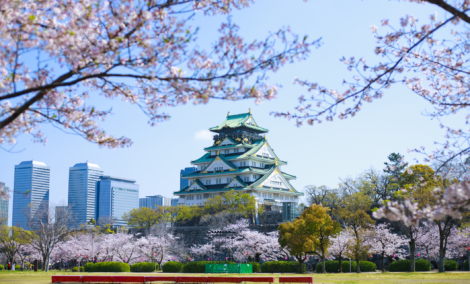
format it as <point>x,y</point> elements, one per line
<point>317,155</point>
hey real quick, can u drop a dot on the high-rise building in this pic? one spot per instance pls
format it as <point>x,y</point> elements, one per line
<point>184,182</point>
<point>4,206</point>
<point>31,191</point>
<point>174,202</point>
<point>154,201</point>
<point>59,210</point>
<point>82,191</point>
<point>241,159</point>
<point>114,197</point>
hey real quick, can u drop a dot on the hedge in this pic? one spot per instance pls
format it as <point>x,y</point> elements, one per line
<point>450,265</point>
<point>111,266</point>
<point>405,264</point>
<point>2,267</point>
<point>465,265</point>
<point>75,269</point>
<point>172,266</point>
<point>200,266</point>
<point>18,267</point>
<point>255,265</point>
<point>88,266</point>
<point>143,267</point>
<point>282,266</point>
<point>332,266</point>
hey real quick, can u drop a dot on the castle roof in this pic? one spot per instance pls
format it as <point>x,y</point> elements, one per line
<point>239,121</point>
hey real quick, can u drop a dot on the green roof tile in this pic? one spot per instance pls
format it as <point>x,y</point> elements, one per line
<point>238,120</point>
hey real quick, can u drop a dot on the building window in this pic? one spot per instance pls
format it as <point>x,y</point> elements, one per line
<point>226,151</point>
<point>208,182</point>
<point>199,196</point>
<point>190,197</point>
<point>292,198</point>
<point>282,197</point>
<point>218,169</point>
<point>276,183</point>
<point>218,181</point>
<point>246,178</point>
<point>243,164</point>
<point>265,155</point>
<point>236,150</point>
<point>211,195</point>
<point>229,180</point>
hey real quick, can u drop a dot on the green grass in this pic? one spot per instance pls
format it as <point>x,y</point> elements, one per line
<point>457,277</point>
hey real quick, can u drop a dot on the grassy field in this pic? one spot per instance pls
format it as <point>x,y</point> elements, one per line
<point>362,278</point>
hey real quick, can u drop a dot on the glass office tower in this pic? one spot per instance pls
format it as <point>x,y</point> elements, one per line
<point>154,201</point>
<point>114,197</point>
<point>4,206</point>
<point>184,182</point>
<point>31,191</point>
<point>82,191</point>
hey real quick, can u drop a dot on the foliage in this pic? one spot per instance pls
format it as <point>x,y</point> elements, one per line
<point>405,264</point>
<point>200,266</point>
<point>142,218</point>
<point>465,265</point>
<point>172,266</point>
<point>88,266</point>
<point>18,267</point>
<point>111,266</point>
<point>450,265</point>
<point>332,266</point>
<point>255,265</point>
<point>143,267</point>
<point>2,267</point>
<point>281,266</point>
<point>75,269</point>
<point>13,240</point>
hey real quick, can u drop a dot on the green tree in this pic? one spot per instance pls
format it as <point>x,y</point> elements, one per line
<point>295,238</point>
<point>319,223</point>
<point>143,218</point>
<point>353,214</point>
<point>12,240</point>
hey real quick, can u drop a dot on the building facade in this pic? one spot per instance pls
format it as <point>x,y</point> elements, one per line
<point>240,159</point>
<point>174,202</point>
<point>31,191</point>
<point>184,182</point>
<point>154,201</point>
<point>4,206</point>
<point>114,197</point>
<point>82,191</point>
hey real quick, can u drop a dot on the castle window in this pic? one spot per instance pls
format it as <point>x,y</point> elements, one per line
<point>218,180</point>
<point>208,182</point>
<point>276,183</point>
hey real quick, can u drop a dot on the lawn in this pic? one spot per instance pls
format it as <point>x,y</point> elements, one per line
<point>366,278</point>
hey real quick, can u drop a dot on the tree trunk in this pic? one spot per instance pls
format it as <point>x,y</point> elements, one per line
<point>412,255</point>
<point>340,266</point>
<point>300,265</point>
<point>323,264</point>
<point>257,257</point>
<point>442,254</point>
<point>383,262</point>
<point>358,268</point>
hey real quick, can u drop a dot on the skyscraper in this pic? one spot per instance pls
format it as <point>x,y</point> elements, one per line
<point>31,191</point>
<point>114,197</point>
<point>4,207</point>
<point>184,182</point>
<point>82,191</point>
<point>174,202</point>
<point>154,201</point>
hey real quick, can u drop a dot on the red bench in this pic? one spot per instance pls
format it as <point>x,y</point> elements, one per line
<point>257,279</point>
<point>296,279</point>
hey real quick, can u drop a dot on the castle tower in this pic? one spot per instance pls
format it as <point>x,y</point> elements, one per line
<point>241,159</point>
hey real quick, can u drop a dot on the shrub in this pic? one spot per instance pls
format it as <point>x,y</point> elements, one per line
<point>111,266</point>
<point>75,269</point>
<point>405,264</point>
<point>18,267</point>
<point>465,265</point>
<point>282,266</point>
<point>172,266</point>
<point>88,266</point>
<point>2,267</point>
<point>143,267</point>
<point>255,265</point>
<point>332,266</point>
<point>200,266</point>
<point>450,265</point>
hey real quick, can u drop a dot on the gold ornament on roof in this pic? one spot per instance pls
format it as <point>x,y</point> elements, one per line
<point>228,113</point>
<point>249,110</point>
<point>275,162</point>
<point>266,139</point>
<point>218,151</point>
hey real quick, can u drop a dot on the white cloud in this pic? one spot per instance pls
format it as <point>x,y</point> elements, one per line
<point>203,135</point>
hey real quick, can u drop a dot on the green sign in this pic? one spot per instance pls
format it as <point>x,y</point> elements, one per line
<point>229,268</point>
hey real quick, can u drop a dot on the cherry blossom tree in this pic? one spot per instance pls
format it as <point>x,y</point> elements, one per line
<point>58,55</point>
<point>257,245</point>
<point>339,245</point>
<point>387,244</point>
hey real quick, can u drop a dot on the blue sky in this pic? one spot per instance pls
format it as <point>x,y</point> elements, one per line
<point>317,155</point>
